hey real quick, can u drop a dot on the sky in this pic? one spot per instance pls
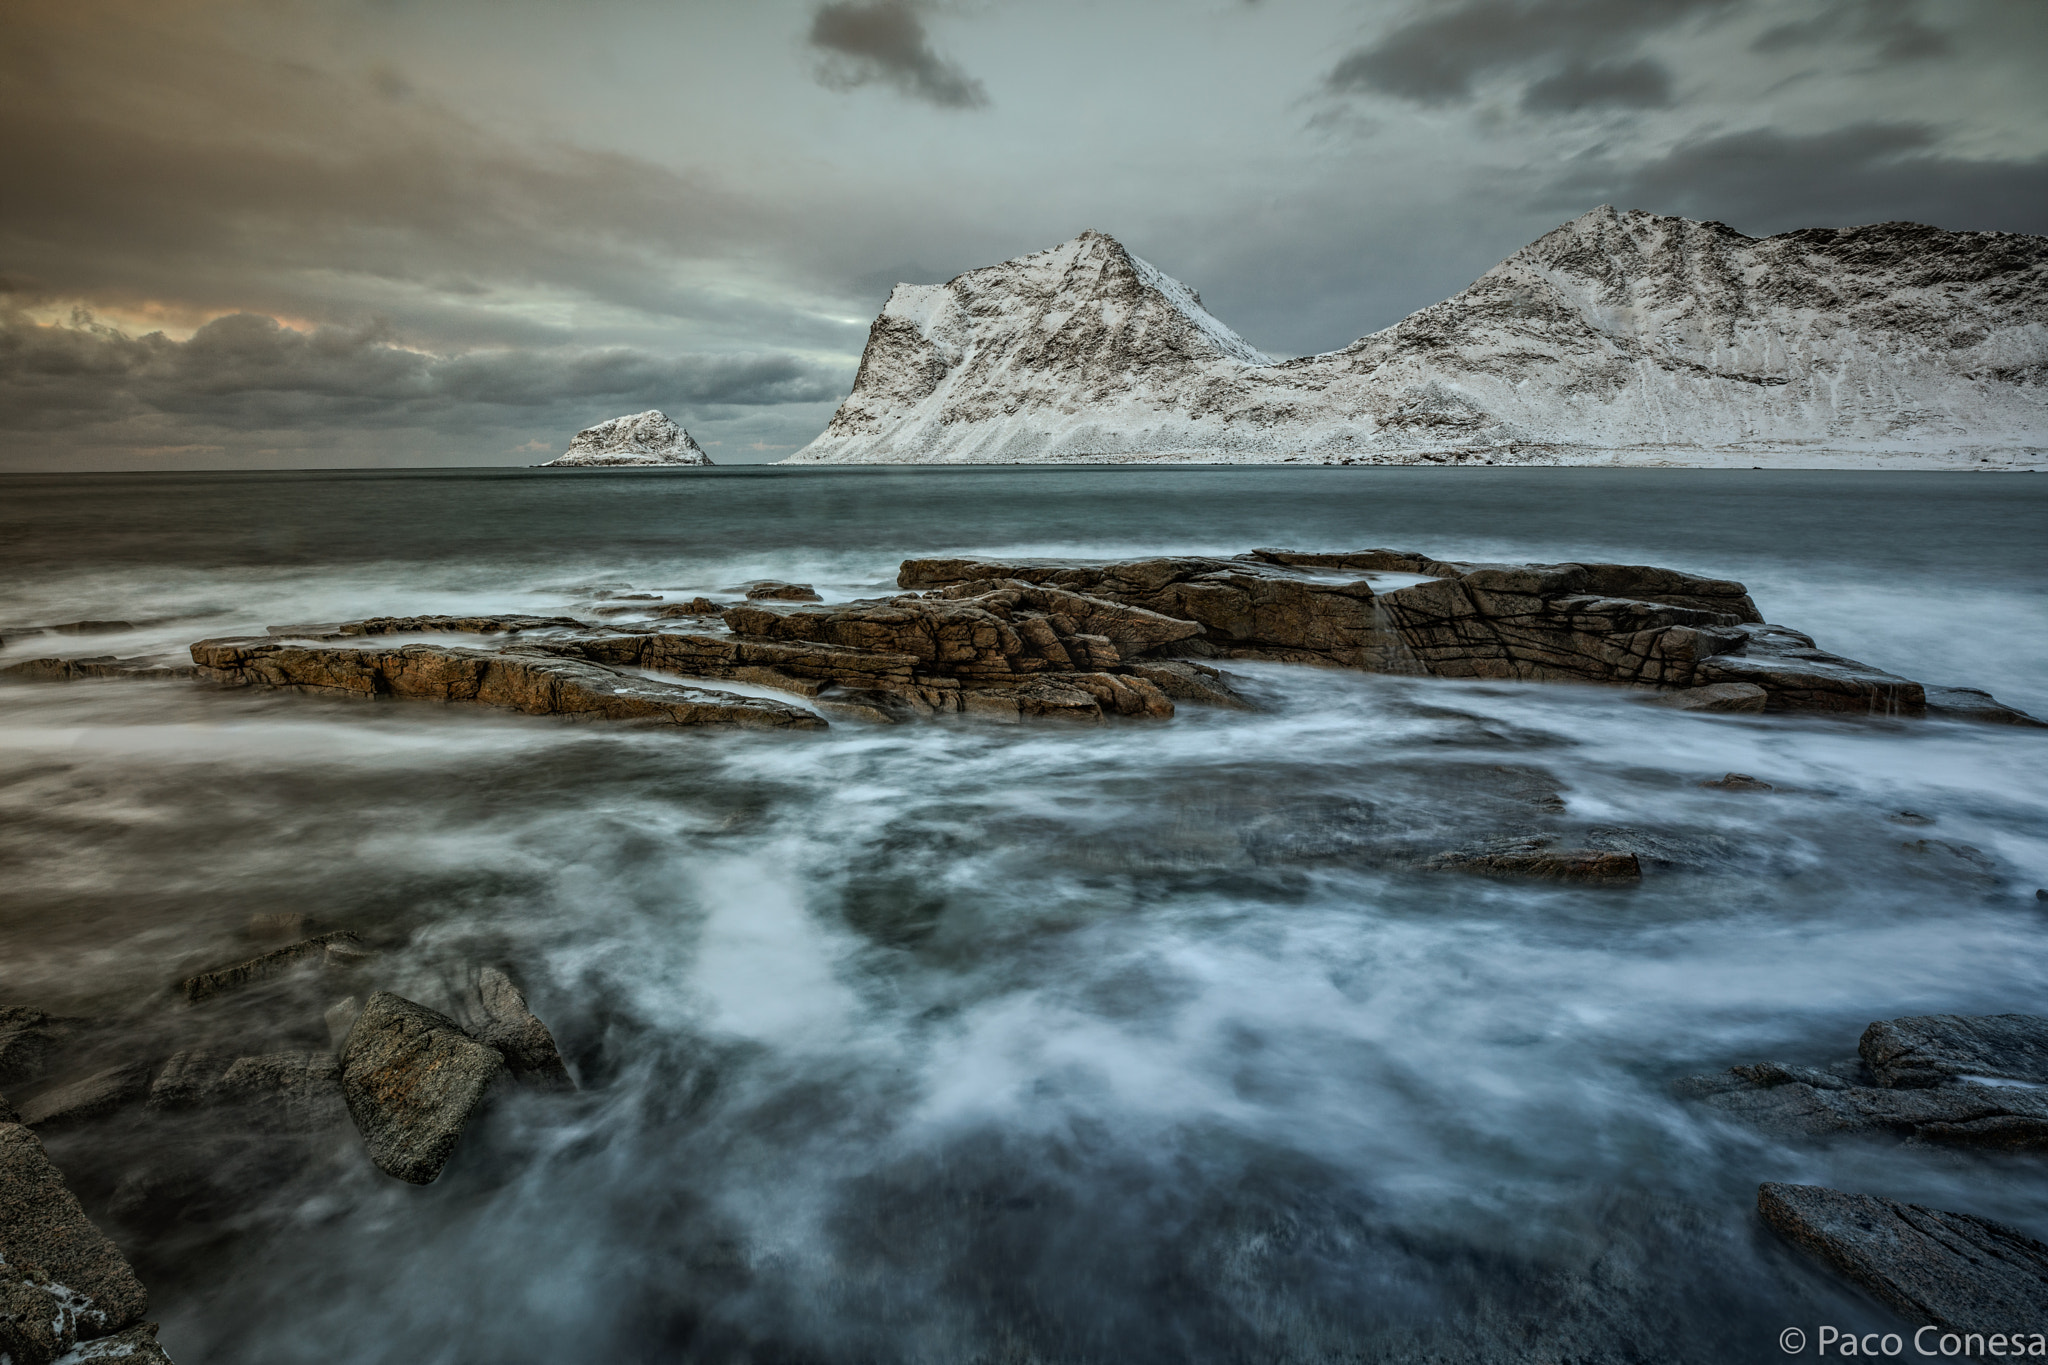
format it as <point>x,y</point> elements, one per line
<point>300,233</point>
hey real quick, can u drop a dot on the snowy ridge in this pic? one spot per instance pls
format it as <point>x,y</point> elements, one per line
<point>644,438</point>
<point>1663,339</point>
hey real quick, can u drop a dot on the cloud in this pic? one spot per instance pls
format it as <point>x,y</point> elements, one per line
<point>1766,181</point>
<point>1435,57</point>
<point>884,42</point>
<point>246,372</point>
<point>1890,26</point>
<point>1640,84</point>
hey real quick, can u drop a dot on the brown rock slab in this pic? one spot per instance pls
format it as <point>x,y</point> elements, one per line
<point>1965,1274</point>
<point>412,1079</point>
<point>41,1224</point>
<point>1738,782</point>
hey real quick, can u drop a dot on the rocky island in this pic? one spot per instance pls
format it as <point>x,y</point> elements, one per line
<point>640,439</point>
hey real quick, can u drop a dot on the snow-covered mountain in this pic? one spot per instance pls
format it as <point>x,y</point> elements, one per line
<point>644,438</point>
<point>1659,337</point>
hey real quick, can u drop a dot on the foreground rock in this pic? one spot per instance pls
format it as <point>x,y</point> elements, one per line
<point>412,1080</point>
<point>647,438</point>
<point>1981,1280</point>
<point>1954,1079</point>
<point>61,1280</point>
<point>517,679</point>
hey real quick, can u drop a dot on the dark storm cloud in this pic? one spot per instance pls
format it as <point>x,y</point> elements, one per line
<point>884,42</point>
<point>1435,57</point>
<point>247,371</point>
<point>1640,84</point>
<point>1766,181</point>
<point>1891,27</point>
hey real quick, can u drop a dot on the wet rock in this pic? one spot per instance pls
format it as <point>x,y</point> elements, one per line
<point>1738,782</point>
<point>1968,703</point>
<point>84,1100</point>
<point>41,1224</point>
<point>1934,1049</point>
<point>412,1079</point>
<point>1798,676</point>
<point>532,681</point>
<point>495,1013</point>
<point>1544,857</point>
<point>269,966</point>
<point>771,590</point>
<point>1956,1079</point>
<point>869,706</point>
<point>510,624</point>
<point>1962,1273</point>
<point>1717,698</point>
<point>1185,680</point>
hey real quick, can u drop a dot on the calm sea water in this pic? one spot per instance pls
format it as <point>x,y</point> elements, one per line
<point>958,1042</point>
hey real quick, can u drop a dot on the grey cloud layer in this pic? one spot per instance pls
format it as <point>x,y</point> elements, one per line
<point>245,371</point>
<point>884,42</point>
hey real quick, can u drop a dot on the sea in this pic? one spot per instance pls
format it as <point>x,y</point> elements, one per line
<point>964,1042</point>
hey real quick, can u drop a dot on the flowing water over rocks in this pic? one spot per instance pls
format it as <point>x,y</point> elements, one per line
<point>1353,1021</point>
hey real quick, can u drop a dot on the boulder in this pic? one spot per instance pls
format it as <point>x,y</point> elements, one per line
<point>41,1224</point>
<point>271,965</point>
<point>1967,1275</point>
<point>495,1014</point>
<point>412,1079</point>
<point>1717,698</point>
<point>84,1100</point>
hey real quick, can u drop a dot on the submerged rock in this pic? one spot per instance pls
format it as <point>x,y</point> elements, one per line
<point>93,1097</point>
<point>29,1040</point>
<point>1543,857</point>
<point>341,944</point>
<point>99,666</point>
<point>1953,1079</point>
<point>646,438</point>
<point>412,1079</point>
<point>773,591</point>
<point>1964,1274</point>
<point>1737,698</point>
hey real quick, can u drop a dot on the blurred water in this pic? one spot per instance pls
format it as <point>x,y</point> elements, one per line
<point>1005,1043</point>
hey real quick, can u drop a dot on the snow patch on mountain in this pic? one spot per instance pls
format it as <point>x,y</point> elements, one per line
<point>1628,335</point>
<point>645,438</point>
